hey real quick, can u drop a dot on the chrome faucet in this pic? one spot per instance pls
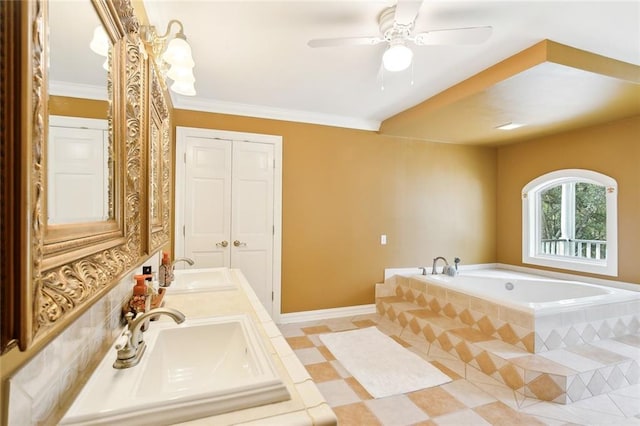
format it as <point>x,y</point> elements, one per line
<point>130,354</point>
<point>435,261</point>
<point>182,259</point>
<point>166,276</point>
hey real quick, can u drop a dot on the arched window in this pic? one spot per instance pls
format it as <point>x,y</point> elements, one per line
<point>569,221</point>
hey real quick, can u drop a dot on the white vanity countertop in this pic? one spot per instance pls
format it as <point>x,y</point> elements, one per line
<point>306,406</point>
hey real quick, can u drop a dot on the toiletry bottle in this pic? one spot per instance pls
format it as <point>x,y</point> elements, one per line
<point>139,298</point>
<point>164,271</point>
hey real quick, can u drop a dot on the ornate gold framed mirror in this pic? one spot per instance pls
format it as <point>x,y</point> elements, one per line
<point>63,268</point>
<point>52,269</point>
<point>159,155</point>
<point>82,164</point>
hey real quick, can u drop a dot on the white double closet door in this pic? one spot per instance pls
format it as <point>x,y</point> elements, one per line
<point>228,204</point>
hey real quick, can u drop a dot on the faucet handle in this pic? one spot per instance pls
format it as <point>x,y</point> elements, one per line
<point>123,340</point>
<point>423,269</point>
<point>129,318</point>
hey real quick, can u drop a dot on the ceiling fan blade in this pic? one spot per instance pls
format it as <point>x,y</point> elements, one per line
<point>345,41</point>
<point>470,35</point>
<point>407,11</point>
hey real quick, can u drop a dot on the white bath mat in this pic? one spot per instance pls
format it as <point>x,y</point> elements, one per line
<point>380,363</point>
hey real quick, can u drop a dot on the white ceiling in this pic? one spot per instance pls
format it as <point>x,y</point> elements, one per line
<point>252,57</point>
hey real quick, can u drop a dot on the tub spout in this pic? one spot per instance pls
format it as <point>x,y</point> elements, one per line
<point>435,261</point>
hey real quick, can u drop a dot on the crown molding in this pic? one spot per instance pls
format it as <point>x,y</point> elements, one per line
<point>258,111</point>
<point>86,91</point>
<point>77,90</point>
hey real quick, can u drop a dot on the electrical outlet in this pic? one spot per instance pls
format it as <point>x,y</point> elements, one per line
<point>383,239</point>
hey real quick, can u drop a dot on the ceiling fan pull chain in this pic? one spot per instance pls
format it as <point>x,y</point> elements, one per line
<point>382,81</point>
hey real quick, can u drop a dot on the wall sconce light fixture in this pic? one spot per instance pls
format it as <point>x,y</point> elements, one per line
<point>173,58</point>
<point>100,44</point>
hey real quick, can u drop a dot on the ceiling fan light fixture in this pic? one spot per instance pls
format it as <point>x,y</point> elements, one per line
<point>397,57</point>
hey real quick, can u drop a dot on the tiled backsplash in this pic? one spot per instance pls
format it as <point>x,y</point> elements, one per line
<point>40,387</point>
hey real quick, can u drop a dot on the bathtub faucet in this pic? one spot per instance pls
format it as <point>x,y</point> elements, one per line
<point>435,261</point>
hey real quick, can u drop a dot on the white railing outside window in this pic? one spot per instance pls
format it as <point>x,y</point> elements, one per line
<point>585,249</point>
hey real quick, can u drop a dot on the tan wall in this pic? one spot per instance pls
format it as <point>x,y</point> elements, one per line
<point>612,149</point>
<point>343,188</point>
<point>77,107</point>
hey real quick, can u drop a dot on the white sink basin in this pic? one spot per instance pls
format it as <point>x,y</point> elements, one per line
<point>195,280</point>
<point>196,369</point>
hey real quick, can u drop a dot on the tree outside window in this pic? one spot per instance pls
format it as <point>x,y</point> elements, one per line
<point>574,220</point>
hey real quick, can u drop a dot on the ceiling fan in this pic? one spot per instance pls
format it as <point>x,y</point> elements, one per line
<point>396,25</point>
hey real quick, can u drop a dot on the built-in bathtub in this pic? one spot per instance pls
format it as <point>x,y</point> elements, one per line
<point>545,338</point>
<point>530,311</point>
<point>531,293</point>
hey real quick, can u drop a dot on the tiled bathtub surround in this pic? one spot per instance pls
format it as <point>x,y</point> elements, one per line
<point>487,339</point>
<point>38,389</point>
<point>585,325</point>
<point>532,331</point>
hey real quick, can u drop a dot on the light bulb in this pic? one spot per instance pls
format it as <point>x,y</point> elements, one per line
<point>397,57</point>
<point>180,73</point>
<point>184,88</point>
<point>178,53</point>
<point>100,42</point>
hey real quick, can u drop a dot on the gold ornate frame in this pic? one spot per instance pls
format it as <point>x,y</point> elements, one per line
<point>52,274</point>
<point>159,155</point>
<point>65,269</point>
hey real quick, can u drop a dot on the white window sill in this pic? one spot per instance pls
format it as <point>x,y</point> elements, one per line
<point>579,265</point>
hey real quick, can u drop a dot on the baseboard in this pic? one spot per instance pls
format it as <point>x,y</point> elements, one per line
<point>322,314</point>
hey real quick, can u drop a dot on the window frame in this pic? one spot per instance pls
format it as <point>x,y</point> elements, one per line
<point>531,220</point>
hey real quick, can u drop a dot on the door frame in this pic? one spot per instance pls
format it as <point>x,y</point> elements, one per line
<point>181,134</point>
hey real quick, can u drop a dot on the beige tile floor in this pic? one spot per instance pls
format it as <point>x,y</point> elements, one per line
<point>471,398</point>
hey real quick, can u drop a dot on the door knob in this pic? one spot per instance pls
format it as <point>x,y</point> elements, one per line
<point>222,244</point>
<point>239,244</point>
